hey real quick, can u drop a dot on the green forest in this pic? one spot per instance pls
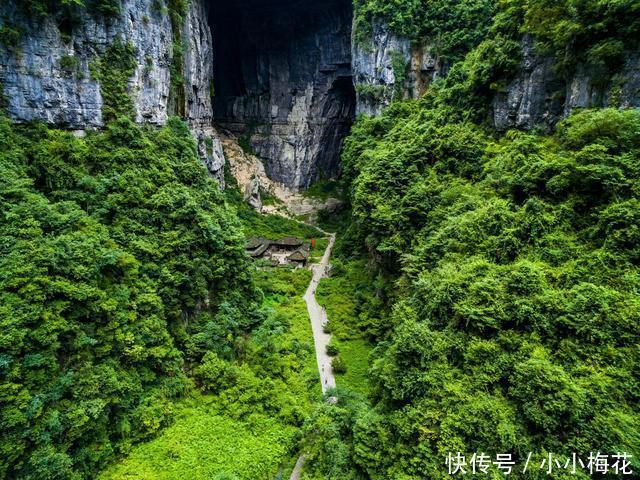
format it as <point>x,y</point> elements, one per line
<point>503,269</point>
<point>120,268</point>
<point>510,317</point>
<point>484,294</point>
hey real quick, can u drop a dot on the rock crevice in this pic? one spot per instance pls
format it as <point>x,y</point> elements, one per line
<point>47,74</point>
<point>283,83</point>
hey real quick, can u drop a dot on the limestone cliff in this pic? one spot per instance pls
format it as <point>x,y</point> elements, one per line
<point>283,83</point>
<point>289,76</point>
<point>539,95</point>
<point>387,67</point>
<point>46,75</point>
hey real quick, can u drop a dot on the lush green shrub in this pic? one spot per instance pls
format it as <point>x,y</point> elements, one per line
<point>596,33</point>
<point>113,71</point>
<point>69,63</point>
<point>9,37</point>
<point>338,366</point>
<point>120,267</point>
<point>332,349</point>
<point>371,93</point>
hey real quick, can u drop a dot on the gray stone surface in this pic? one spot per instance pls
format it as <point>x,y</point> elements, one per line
<point>376,80</point>
<point>198,81</point>
<point>539,96</point>
<point>198,65</point>
<point>533,96</point>
<point>583,90</point>
<point>283,81</point>
<point>36,86</point>
<point>252,194</point>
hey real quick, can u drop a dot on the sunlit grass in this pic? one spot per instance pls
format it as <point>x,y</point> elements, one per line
<point>203,444</point>
<point>355,354</point>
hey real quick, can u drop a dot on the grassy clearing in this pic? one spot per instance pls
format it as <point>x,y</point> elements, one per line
<point>355,354</point>
<point>214,439</point>
<point>340,296</point>
<point>274,226</point>
<point>204,444</point>
<point>283,289</point>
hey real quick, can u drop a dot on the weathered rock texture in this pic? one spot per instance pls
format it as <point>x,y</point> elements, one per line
<point>251,176</point>
<point>46,75</point>
<point>283,82</point>
<point>285,72</point>
<point>388,67</point>
<point>538,95</point>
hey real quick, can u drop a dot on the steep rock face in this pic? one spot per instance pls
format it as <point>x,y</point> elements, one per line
<point>532,97</point>
<point>539,96</point>
<point>283,82</point>
<point>46,76</point>
<point>623,90</point>
<point>388,67</point>
<point>198,84</point>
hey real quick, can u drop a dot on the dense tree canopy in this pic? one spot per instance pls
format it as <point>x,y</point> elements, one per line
<point>515,324</point>
<point>510,309</point>
<point>120,266</point>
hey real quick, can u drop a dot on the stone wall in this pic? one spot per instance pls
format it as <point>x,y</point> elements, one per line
<point>283,83</point>
<point>38,83</point>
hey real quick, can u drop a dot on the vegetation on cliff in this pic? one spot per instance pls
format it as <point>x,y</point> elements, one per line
<point>65,9</point>
<point>514,309</point>
<point>596,33</point>
<point>120,267</point>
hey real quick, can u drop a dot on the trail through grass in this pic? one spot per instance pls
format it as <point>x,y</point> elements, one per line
<point>211,439</point>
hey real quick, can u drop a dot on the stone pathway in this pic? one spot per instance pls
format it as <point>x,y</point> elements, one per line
<point>318,317</point>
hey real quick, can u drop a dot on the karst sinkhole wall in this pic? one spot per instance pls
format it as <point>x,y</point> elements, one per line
<point>283,82</point>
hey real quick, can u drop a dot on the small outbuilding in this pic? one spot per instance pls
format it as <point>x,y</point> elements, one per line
<point>257,246</point>
<point>288,243</point>
<point>300,257</point>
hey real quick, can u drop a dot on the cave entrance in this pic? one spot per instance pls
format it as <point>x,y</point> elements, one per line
<point>283,82</point>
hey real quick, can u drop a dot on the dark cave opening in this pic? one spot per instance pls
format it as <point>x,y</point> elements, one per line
<point>282,80</point>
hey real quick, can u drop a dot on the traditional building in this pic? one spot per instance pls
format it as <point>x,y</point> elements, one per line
<point>285,251</point>
<point>299,257</point>
<point>257,246</point>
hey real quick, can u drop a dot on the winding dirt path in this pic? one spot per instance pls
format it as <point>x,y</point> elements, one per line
<point>318,317</point>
